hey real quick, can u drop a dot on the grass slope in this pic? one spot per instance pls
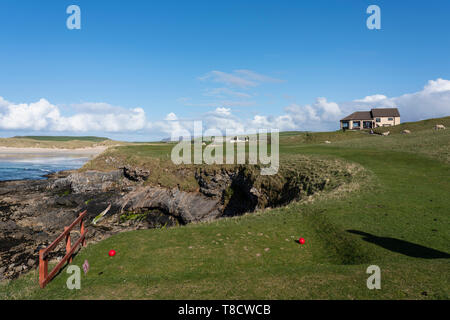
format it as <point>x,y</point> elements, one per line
<point>63,138</point>
<point>423,139</point>
<point>399,222</point>
<point>59,142</point>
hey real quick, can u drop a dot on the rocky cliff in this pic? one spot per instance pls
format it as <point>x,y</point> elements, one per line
<point>34,213</point>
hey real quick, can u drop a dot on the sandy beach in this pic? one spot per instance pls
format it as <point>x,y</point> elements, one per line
<point>8,152</point>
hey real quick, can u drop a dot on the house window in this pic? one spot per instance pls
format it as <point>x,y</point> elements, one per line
<point>390,119</point>
<point>345,124</point>
<point>378,120</point>
<point>356,124</point>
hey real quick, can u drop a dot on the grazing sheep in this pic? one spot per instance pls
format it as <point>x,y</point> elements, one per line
<point>439,127</point>
<point>327,141</point>
<point>406,131</point>
<point>386,133</point>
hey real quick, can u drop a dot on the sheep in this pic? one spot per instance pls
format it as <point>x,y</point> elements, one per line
<point>386,133</point>
<point>327,142</point>
<point>439,127</point>
<point>406,131</point>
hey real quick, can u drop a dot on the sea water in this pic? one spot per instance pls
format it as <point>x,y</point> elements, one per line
<point>36,167</point>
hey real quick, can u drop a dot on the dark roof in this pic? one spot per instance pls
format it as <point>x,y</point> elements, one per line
<point>369,115</point>
<point>386,112</point>
<point>359,115</point>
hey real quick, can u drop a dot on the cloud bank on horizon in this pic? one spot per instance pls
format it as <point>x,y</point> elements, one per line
<point>321,115</point>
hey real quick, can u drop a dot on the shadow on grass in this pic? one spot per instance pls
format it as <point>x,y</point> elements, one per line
<point>404,247</point>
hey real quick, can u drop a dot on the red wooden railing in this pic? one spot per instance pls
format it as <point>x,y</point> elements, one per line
<point>44,276</point>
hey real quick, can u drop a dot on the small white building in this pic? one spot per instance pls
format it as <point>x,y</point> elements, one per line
<point>238,139</point>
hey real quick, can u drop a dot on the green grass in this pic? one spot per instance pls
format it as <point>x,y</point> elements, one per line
<point>417,125</point>
<point>320,137</point>
<point>400,215</point>
<point>428,142</point>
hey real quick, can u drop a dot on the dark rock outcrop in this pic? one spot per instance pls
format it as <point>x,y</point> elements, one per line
<point>135,174</point>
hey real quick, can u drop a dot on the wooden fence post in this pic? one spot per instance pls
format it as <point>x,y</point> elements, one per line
<point>43,268</point>
<point>68,244</point>
<point>82,232</point>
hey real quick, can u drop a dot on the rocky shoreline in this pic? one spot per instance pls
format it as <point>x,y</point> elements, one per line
<point>34,212</point>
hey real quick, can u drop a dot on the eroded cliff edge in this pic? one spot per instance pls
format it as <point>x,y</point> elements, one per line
<point>33,213</point>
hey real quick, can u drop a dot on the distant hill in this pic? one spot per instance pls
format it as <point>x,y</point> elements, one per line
<point>63,142</point>
<point>63,138</point>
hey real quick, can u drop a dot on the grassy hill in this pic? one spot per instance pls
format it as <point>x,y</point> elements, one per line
<point>417,126</point>
<point>423,139</point>
<point>63,138</point>
<point>398,219</point>
<point>59,142</point>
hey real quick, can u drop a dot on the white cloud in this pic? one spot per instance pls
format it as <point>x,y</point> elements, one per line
<point>125,121</point>
<point>256,76</point>
<point>239,78</point>
<point>224,92</point>
<point>228,79</point>
<point>432,101</point>
<point>223,111</point>
<point>34,116</point>
<point>439,85</point>
<point>282,123</point>
<point>328,111</point>
<point>3,103</point>
<point>228,95</point>
<point>221,103</point>
<point>171,117</point>
<point>96,108</point>
<point>371,99</point>
<point>168,128</point>
<point>44,116</point>
<point>321,115</point>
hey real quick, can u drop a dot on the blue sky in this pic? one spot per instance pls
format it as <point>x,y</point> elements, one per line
<point>210,60</point>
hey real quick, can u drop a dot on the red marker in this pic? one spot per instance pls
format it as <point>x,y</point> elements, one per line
<point>301,241</point>
<point>112,253</point>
